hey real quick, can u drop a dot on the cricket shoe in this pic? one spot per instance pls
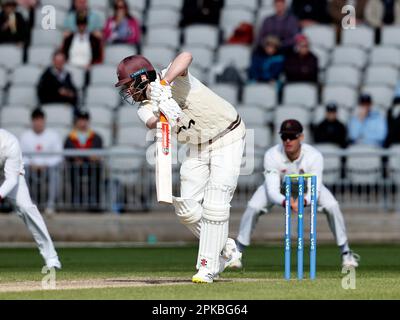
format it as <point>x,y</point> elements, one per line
<point>350,259</point>
<point>230,257</point>
<point>204,276</point>
<point>53,263</point>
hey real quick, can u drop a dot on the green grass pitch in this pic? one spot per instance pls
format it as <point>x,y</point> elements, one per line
<point>377,278</point>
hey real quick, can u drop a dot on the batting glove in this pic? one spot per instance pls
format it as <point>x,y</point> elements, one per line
<point>171,110</point>
<point>160,92</point>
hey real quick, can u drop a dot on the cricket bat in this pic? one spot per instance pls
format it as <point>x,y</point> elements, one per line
<point>163,161</point>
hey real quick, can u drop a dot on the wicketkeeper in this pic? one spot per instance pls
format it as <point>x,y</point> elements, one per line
<point>292,156</point>
<point>214,134</point>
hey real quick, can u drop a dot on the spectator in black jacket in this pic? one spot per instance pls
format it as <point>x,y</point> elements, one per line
<point>201,11</point>
<point>393,121</point>
<point>331,130</point>
<point>55,84</point>
<point>311,12</point>
<point>301,65</point>
<point>13,28</point>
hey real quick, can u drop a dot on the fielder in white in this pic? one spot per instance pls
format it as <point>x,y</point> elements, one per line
<point>292,157</point>
<point>214,134</point>
<point>14,188</point>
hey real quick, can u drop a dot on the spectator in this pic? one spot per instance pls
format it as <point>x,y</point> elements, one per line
<point>331,130</point>
<point>393,121</point>
<point>27,8</point>
<point>122,27</point>
<point>13,28</point>
<point>301,65</point>
<point>382,12</point>
<point>367,126</point>
<point>81,9</point>
<point>267,62</point>
<point>42,171</point>
<point>243,34</point>
<point>82,48</point>
<point>85,173</point>
<point>283,25</point>
<point>310,12</point>
<point>335,11</point>
<point>201,11</point>
<point>55,84</point>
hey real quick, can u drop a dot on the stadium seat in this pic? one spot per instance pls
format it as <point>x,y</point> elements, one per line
<point>231,18</point>
<point>15,116</point>
<point>262,136</point>
<point>41,37</point>
<point>237,55</point>
<point>394,163</point>
<point>10,56</point>
<point>41,55</point>
<point>383,55</point>
<point>202,35</point>
<point>3,79</point>
<point>323,56</point>
<point>354,56</point>
<point>381,95</point>
<point>58,114</point>
<point>260,94</point>
<point>362,36</point>
<point>332,163</point>
<point>101,117</point>
<point>61,14</point>
<point>390,36</point>
<point>364,168</point>
<point>160,57</point>
<point>227,91</point>
<point>284,112</point>
<point>101,5</point>
<point>115,53</point>
<point>127,116</point>
<point>57,3</point>
<point>103,75</point>
<point>202,56</point>
<point>62,132</point>
<point>133,136</point>
<point>303,94</point>
<point>262,14</point>
<point>320,35</point>
<point>270,3</point>
<point>320,111</point>
<point>162,17</point>
<point>103,95</point>
<point>342,95</point>
<point>17,131</point>
<point>77,76</point>
<point>26,74</point>
<point>253,116</point>
<point>343,75</point>
<point>198,73</point>
<point>125,169</point>
<point>173,4</point>
<point>137,5</point>
<point>163,37</point>
<point>22,95</point>
<point>248,4</point>
<point>381,75</point>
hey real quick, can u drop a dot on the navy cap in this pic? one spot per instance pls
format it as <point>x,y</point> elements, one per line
<point>291,126</point>
<point>365,98</point>
<point>331,107</point>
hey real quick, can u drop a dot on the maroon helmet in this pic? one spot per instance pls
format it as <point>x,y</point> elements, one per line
<point>134,74</point>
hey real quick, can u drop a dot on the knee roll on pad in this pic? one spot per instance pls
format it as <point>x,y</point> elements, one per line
<point>216,203</point>
<point>189,211</point>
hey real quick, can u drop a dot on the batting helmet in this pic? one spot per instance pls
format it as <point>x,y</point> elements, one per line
<point>135,73</point>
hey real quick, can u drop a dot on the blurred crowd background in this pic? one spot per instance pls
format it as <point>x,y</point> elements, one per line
<point>273,59</point>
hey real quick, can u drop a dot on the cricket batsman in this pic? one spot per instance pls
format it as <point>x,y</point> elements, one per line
<point>14,188</point>
<point>292,157</point>
<point>214,134</point>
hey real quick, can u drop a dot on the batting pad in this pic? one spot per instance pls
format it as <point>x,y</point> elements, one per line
<point>189,213</point>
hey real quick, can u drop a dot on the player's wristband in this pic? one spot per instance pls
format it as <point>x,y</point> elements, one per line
<point>164,82</point>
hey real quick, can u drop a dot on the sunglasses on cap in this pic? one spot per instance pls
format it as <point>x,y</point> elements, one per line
<point>289,136</point>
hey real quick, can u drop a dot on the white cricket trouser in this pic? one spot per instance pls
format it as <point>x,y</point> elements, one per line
<point>258,205</point>
<point>210,178</point>
<point>30,214</point>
